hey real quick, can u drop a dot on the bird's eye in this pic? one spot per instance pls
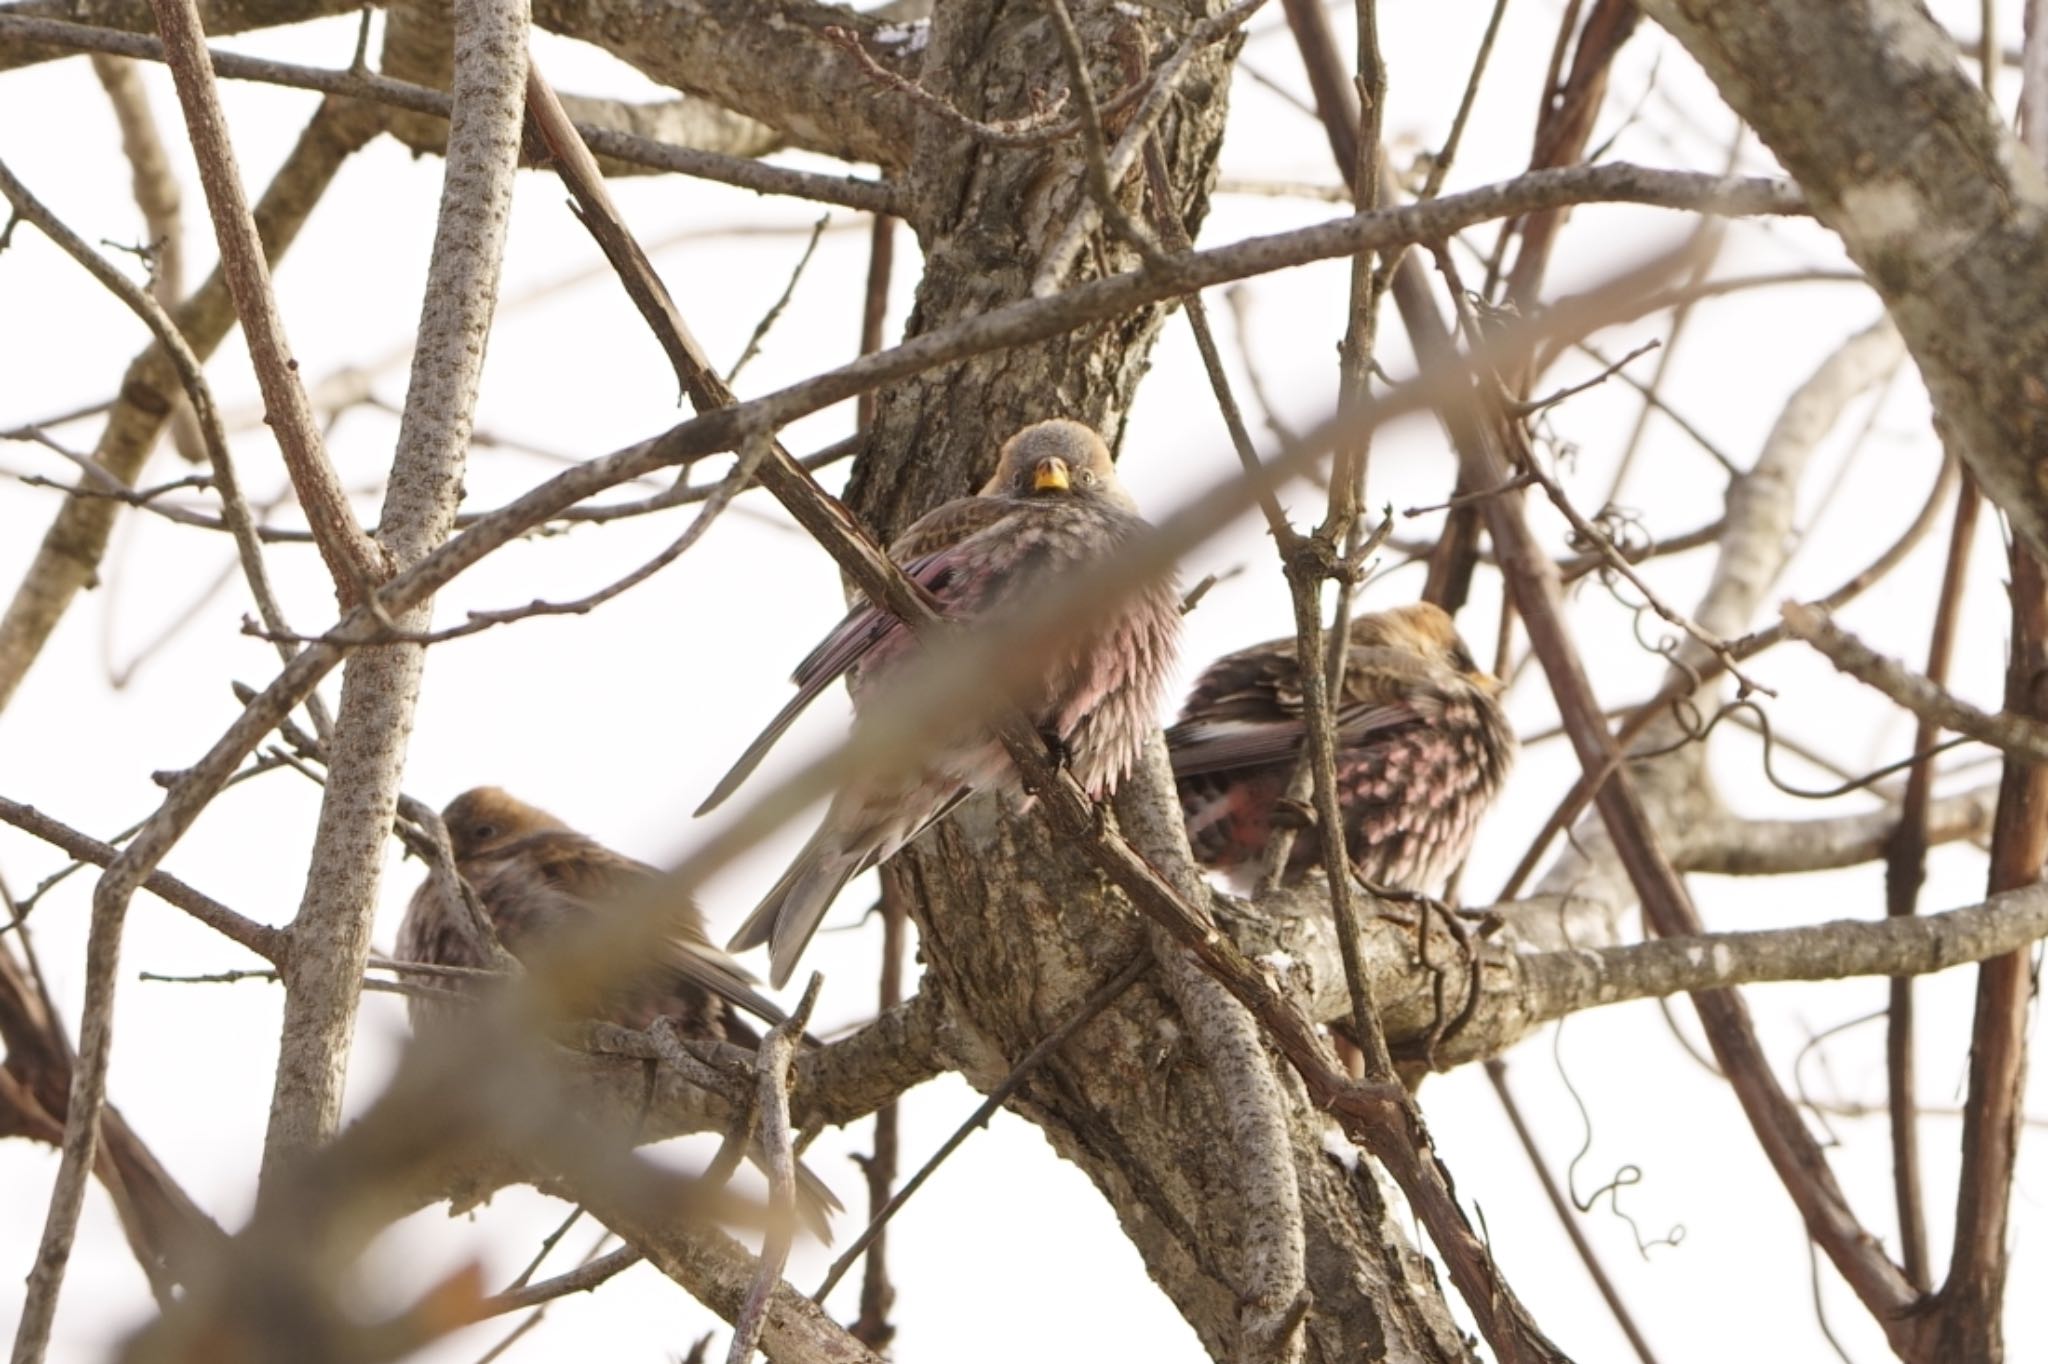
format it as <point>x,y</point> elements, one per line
<point>480,832</point>
<point>1086,478</point>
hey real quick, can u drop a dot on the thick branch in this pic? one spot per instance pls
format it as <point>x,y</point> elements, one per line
<point>614,132</point>
<point>332,930</point>
<point>352,559</point>
<point>766,59</point>
<point>134,16</point>
<point>1869,109</point>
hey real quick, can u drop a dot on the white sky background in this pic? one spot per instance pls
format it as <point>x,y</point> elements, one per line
<point>620,721</point>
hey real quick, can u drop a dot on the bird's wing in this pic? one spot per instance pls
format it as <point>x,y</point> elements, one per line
<point>939,533</point>
<point>1246,710</point>
<point>1202,744</point>
<point>538,885</point>
<point>947,524</point>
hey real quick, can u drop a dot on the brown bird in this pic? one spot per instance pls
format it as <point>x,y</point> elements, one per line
<point>537,879</point>
<point>1053,508</point>
<point>1422,749</point>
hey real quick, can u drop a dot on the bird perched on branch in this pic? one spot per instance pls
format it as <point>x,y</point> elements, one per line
<point>1421,750</point>
<point>1053,510</point>
<point>536,879</point>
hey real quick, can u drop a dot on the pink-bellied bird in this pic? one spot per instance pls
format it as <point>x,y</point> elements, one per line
<point>1054,508</point>
<point>1422,749</point>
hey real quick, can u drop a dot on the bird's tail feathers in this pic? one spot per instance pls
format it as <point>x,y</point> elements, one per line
<point>705,966</point>
<point>815,1203</point>
<point>789,914</point>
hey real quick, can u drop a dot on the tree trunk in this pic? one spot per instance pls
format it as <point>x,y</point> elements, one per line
<point>1016,933</point>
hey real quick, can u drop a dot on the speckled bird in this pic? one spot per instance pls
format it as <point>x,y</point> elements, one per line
<point>1053,508</point>
<point>1422,750</point>
<point>536,879</point>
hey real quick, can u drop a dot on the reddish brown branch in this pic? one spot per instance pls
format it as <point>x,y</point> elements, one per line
<point>1564,125</point>
<point>1968,1324</point>
<point>164,1226</point>
<point>1905,868</point>
<point>1780,1130</point>
<point>874,311</point>
<point>355,560</point>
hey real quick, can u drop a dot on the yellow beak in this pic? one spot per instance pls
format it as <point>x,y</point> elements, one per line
<point>1050,476</point>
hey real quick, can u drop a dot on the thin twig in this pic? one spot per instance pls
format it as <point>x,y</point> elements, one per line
<point>235,515</point>
<point>1592,535</point>
<point>269,943</point>
<point>1440,163</point>
<point>1103,184</point>
<point>2017,734</point>
<point>355,561</point>
<point>768,319</point>
<point>1107,167</point>
<point>872,1327</point>
<point>874,312</point>
<point>584,1278</point>
<point>1905,870</point>
<point>155,188</point>
<point>1098,999</point>
<point>1535,405</point>
<point>1497,1073</point>
<point>873,196</point>
<point>772,1134</point>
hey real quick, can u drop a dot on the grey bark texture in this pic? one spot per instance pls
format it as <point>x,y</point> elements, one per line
<point>331,934</point>
<point>1217,1165</point>
<point>1015,932</point>
<point>1869,108</point>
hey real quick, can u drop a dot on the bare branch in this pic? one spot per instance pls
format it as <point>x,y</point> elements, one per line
<point>1906,161</point>
<point>2016,734</point>
<point>203,412</point>
<point>269,943</point>
<point>25,47</point>
<point>629,147</point>
<point>585,1278</point>
<point>71,550</point>
<point>155,187</point>
<point>378,694</point>
<point>355,562</point>
<point>771,1106</point>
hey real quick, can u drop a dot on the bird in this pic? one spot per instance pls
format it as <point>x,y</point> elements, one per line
<point>1054,508</point>
<point>536,880</point>
<point>1422,748</point>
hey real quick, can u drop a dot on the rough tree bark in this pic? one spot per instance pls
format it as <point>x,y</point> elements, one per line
<point>1901,154</point>
<point>1863,104</point>
<point>1015,933</point>
<point>331,935</point>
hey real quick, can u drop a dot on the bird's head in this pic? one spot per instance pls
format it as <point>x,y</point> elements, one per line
<point>1423,630</point>
<point>1057,458</point>
<point>484,818</point>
